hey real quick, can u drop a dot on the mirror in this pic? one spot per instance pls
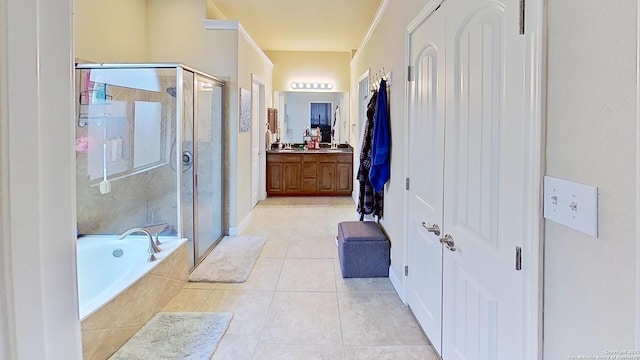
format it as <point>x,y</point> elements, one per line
<point>302,110</point>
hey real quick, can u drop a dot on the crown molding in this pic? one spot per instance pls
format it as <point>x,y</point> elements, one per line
<point>374,24</point>
<point>235,25</point>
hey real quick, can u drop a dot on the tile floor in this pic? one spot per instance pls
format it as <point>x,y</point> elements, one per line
<point>296,305</point>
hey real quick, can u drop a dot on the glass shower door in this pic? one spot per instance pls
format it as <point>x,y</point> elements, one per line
<point>208,104</point>
<point>186,158</point>
<point>202,164</point>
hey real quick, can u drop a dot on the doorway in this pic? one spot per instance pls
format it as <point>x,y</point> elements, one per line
<point>357,131</point>
<point>258,129</point>
<point>470,204</point>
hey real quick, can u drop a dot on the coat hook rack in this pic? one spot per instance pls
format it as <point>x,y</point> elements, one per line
<point>379,75</point>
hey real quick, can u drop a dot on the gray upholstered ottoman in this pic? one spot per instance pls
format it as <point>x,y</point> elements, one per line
<point>363,249</point>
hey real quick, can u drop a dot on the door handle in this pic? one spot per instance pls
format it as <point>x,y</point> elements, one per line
<point>447,240</point>
<point>435,229</point>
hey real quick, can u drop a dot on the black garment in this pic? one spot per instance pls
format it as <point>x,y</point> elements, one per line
<point>369,201</point>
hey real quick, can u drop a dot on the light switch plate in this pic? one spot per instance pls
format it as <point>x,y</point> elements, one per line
<point>571,204</point>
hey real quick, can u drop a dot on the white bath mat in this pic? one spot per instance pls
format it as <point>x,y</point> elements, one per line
<point>230,261</point>
<point>176,336</point>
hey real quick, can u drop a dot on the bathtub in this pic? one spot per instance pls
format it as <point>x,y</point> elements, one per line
<point>108,266</point>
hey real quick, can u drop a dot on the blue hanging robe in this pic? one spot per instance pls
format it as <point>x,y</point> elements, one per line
<point>381,147</point>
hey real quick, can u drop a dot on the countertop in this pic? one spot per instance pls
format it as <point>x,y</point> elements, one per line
<point>348,150</point>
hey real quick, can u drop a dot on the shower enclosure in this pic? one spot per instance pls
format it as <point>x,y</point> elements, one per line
<point>149,151</point>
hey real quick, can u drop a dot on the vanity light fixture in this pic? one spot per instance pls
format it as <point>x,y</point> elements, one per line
<point>311,85</point>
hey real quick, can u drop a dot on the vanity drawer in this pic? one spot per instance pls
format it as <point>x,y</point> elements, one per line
<point>309,170</point>
<point>284,158</point>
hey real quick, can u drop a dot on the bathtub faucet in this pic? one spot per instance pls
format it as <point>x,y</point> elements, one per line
<point>157,229</point>
<point>153,248</point>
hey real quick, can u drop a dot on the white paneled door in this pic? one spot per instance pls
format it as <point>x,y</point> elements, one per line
<point>468,146</point>
<point>426,141</point>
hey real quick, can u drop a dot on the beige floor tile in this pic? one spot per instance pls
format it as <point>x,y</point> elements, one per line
<point>307,275</point>
<point>264,276</point>
<point>297,352</point>
<point>233,350</point>
<point>307,201</point>
<point>305,229</point>
<point>249,308</point>
<point>303,318</point>
<point>275,247</point>
<point>201,285</point>
<point>313,248</point>
<point>377,319</point>
<point>350,319</point>
<point>188,299</point>
<point>377,284</point>
<point>390,353</point>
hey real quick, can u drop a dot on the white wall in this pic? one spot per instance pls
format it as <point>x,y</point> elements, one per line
<point>385,49</point>
<point>37,163</point>
<point>590,282</point>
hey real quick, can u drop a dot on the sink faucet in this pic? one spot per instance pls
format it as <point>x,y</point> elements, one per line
<point>153,248</point>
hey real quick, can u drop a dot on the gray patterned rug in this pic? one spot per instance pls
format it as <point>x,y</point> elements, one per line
<point>230,261</point>
<point>176,336</point>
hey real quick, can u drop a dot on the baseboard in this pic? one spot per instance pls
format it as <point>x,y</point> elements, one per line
<point>397,284</point>
<point>237,230</point>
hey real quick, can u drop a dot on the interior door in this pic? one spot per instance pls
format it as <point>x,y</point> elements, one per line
<point>255,144</point>
<point>468,159</point>
<point>484,185</point>
<point>426,156</point>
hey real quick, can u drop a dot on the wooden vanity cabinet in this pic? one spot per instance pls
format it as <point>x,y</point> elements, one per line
<point>283,173</point>
<point>344,174</point>
<point>309,173</point>
<point>327,175</point>
<point>274,178</point>
<point>291,178</point>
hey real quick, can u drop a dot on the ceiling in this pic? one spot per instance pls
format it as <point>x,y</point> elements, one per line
<point>303,25</point>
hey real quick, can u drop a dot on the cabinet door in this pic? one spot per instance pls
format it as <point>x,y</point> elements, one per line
<point>344,178</point>
<point>309,176</point>
<point>326,177</point>
<point>274,178</point>
<point>292,178</point>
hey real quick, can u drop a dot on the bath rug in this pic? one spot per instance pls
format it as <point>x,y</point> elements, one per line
<point>176,336</point>
<point>231,261</point>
